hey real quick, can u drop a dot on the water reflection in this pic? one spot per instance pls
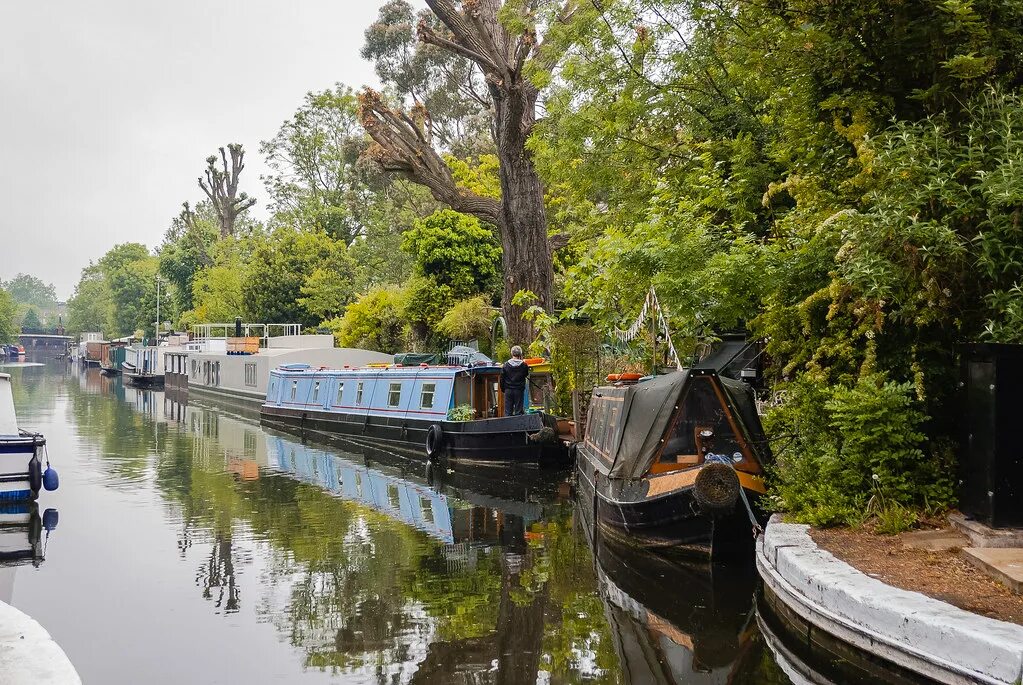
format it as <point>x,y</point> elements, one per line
<point>348,564</point>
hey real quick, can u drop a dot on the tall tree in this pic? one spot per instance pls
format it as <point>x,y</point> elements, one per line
<point>187,248</point>
<point>8,328</point>
<point>221,187</point>
<point>30,321</point>
<point>29,290</point>
<point>498,38</point>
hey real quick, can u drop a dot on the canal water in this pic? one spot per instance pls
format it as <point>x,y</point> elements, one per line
<point>194,546</point>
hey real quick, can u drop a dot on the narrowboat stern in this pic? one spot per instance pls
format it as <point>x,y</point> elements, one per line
<point>676,463</point>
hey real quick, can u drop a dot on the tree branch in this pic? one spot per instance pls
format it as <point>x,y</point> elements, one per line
<point>402,147</point>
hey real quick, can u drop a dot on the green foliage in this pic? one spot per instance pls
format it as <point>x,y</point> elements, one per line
<point>843,440</point>
<point>26,289</point>
<point>467,320</point>
<point>217,290</point>
<point>187,248</point>
<point>456,251</point>
<point>8,311</point>
<point>90,305</point>
<point>31,320</point>
<point>372,322</point>
<point>424,304</point>
<point>282,265</point>
<point>462,412</point>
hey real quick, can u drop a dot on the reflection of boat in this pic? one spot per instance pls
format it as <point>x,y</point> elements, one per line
<point>673,623</point>
<point>21,533</point>
<point>414,405</point>
<point>672,462</point>
<point>385,484</point>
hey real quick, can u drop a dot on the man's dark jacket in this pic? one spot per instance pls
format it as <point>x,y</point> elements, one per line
<point>513,375</point>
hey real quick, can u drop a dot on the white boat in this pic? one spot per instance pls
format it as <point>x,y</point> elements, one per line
<point>21,467</point>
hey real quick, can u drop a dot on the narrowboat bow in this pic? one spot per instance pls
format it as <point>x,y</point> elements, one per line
<point>413,405</point>
<point>675,463</point>
<point>21,454</point>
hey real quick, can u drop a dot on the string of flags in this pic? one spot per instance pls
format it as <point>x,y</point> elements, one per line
<point>650,304</point>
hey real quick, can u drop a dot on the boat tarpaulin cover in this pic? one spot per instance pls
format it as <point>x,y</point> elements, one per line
<point>646,413</point>
<point>417,358</point>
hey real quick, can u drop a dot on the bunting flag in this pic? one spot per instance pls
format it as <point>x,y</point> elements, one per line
<point>650,305</point>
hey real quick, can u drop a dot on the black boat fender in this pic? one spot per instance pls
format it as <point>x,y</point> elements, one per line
<point>35,475</point>
<point>434,440</point>
<point>716,489</point>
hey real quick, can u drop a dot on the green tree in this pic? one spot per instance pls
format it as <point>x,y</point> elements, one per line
<point>29,290</point>
<point>89,308</point>
<point>373,322</point>
<point>8,310</point>
<point>282,265</point>
<point>318,183</point>
<point>187,248</point>
<point>456,251</point>
<point>31,320</point>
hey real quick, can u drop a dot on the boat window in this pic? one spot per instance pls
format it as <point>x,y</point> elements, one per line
<point>294,389</point>
<point>340,389</point>
<point>358,393</point>
<point>394,395</point>
<point>701,427</point>
<point>316,391</point>
<point>358,484</point>
<point>273,389</point>
<point>426,399</point>
<point>392,495</point>
<point>426,504</point>
<point>250,375</point>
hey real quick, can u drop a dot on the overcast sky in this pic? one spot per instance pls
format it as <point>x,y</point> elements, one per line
<point>109,108</point>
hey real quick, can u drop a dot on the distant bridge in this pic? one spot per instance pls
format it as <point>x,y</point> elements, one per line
<point>40,341</point>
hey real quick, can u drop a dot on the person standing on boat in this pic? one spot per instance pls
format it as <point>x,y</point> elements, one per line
<point>514,374</point>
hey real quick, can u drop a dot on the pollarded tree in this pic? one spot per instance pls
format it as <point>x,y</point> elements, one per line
<point>221,187</point>
<point>499,38</point>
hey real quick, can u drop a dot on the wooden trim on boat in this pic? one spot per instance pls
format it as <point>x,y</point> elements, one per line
<point>660,485</point>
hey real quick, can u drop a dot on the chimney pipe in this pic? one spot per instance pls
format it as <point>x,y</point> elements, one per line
<point>237,326</point>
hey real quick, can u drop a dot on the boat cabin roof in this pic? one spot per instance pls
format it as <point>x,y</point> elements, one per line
<point>631,425</point>
<point>390,370</point>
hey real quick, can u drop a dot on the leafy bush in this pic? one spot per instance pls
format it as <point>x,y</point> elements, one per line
<point>372,322</point>
<point>456,251</point>
<point>844,440</point>
<point>468,319</point>
<point>462,412</point>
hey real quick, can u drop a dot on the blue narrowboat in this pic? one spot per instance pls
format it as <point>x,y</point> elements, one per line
<point>21,454</point>
<point>415,405</point>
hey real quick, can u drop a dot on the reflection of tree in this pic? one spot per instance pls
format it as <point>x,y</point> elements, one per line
<point>218,573</point>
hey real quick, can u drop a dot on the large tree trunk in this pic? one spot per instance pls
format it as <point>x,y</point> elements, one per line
<point>526,250</point>
<point>475,31</point>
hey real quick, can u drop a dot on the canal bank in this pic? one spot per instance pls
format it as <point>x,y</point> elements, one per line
<point>817,593</point>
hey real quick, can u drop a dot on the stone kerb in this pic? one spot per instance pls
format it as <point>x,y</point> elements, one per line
<point>28,655</point>
<point>923,634</point>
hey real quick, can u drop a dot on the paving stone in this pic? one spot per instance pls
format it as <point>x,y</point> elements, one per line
<point>940,540</point>
<point>1001,563</point>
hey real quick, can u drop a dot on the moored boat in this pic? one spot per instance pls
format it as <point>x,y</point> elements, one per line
<point>21,454</point>
<point>675,463</point>
<point>414,405</point>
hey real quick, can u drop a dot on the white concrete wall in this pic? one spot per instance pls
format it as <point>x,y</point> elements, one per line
<point>301,342</point>
<point>28,655</point>
<point>925,635</point>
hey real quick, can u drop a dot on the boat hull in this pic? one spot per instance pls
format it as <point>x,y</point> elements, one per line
<point>671,523</point>
<point>505,439</point>
<point>143,380</point>
<point>16,455</point>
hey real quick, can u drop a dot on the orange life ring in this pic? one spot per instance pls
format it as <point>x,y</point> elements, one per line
<point>614,377</point>
<point>629,376</point>
<point>535,361</point>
